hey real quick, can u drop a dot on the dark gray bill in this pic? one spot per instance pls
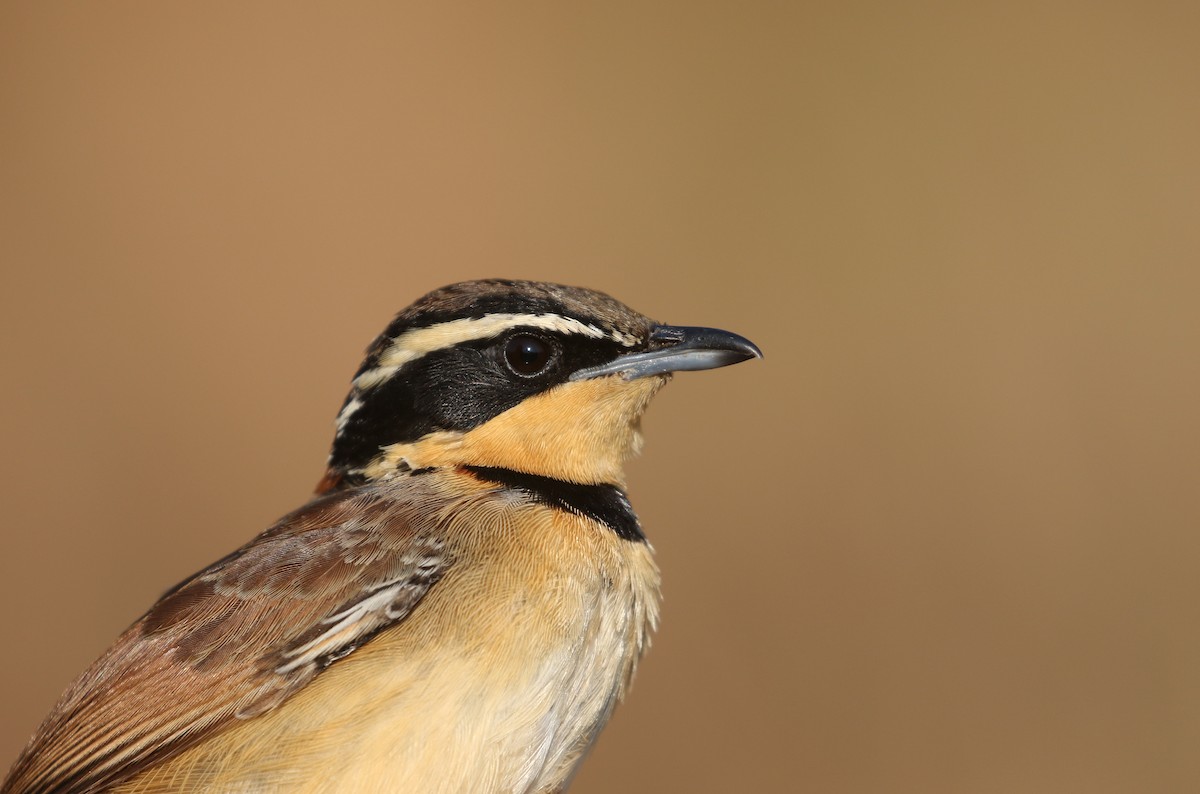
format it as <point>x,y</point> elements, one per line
<point>676,348</point>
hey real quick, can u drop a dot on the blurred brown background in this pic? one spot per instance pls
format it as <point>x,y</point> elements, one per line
<point>944,539</point>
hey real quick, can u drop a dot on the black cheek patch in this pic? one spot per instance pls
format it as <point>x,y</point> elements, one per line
<point>462,387</point>
<point>455,389</point>
<point>386,416</point>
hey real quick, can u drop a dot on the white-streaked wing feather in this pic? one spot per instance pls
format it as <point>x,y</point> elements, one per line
<point>302,595</point>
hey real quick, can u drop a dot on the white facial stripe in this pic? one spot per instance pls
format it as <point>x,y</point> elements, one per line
<point>411,345</point>
<point>347,412</point>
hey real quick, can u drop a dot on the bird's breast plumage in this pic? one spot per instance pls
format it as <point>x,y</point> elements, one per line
<point>497,681</point>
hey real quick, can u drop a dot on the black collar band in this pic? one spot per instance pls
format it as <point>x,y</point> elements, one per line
<point>606,504</point>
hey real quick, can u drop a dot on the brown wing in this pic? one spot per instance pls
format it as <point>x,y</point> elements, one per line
<point>235,641</point>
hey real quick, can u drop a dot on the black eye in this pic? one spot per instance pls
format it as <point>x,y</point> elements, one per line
<point>528,355</point>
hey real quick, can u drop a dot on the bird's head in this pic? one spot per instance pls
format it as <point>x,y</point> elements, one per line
<point>534,377</point>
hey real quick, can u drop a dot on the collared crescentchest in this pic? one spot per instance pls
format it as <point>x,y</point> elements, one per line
<point>458,609</point>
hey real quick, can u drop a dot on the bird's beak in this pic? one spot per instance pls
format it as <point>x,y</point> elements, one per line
<point>676,348</point>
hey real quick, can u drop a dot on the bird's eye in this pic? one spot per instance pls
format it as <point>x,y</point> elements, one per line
<point>528,355</point>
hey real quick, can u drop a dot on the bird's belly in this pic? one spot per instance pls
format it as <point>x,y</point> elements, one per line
<point>490,730</point>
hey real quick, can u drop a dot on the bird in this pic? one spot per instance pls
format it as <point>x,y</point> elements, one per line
<point>458,608</point>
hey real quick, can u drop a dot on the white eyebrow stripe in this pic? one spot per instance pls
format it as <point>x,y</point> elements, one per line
<point>414,344</point>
